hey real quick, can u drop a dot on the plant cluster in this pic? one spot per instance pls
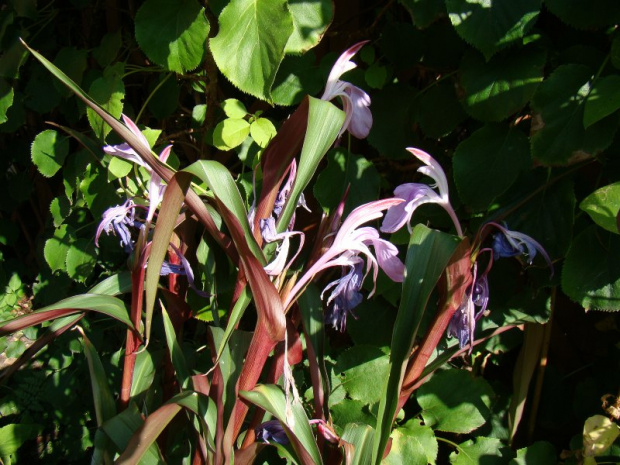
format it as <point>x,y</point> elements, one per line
<point>293,231</point>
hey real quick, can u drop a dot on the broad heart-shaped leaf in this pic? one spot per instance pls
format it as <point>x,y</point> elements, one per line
<point>604,99</point>
<point>81,259</point>
<point>297,77</point>
<point>488,162</point>
<point>324,123</point>
<point>49,151</point>
<point>557,130</point>
<point>346,170</point>
<point>310,21</point>
<point>539,453</point>
<point>603,205</point>
<point>591,275</point>
<point>438,110</point>
<point>271,399</point>
<point>361,366</point>
<point>491,26</point>
<point>230,133</point>
<point>172,34</point>
<point>455,402</point>
<point>12,437</point>
<point>483,450</point>
<point>495,89</point>
<point>413,444</point>
<point>427,256</point>
<point>250,44</point>
<point>262,131</point>
<point>56,248</point>
<point>108,91</point>
<point>586,14</point>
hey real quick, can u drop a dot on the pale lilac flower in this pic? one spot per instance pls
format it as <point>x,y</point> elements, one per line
<point>416,194</point>
<point>182,269</point>
<point>269,233</point>
<point>117,220</point>
<point>156,186</point>
<point>351,242</point>
<point>355,101</point>
<point>271,430</point>
<point>345,296</point>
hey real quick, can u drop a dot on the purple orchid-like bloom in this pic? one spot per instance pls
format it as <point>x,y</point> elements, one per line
<point>124,151</point>
<point>271,431</point>
<point>351,242</point>
<point>463,322</point>
<point>355,101</point>
<point>507,243</point>
<point>117,220</point>
<point>345,296</point>
<point>269,233</point>
<point>416,194</point>
<point>182,269</point>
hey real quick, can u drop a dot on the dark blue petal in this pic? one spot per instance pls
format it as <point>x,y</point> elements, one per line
<point>271,431</point>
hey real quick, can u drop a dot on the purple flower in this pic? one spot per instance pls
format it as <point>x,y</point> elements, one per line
<point>416,194</point>
<point>507,243</point>
<point>271,430</point>
<point>345,296</point>
<point>351,242</point>
<point>156,186</point>
<point>355,101</point>
<point>463,322</point>
<point>269,233</point>
<point>116,220</point>
<point>183,269</point>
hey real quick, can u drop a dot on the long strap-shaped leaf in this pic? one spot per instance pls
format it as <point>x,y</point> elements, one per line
<point>165,172</point>
<point>427,256</point>
<point>271,399</point>
<point>105,304</point>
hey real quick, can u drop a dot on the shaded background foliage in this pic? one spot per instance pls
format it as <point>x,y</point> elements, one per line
<point>517,100</point>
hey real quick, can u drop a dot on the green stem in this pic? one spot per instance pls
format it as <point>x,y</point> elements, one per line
<point>148,99</point>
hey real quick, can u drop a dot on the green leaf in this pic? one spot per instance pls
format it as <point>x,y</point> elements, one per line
<point>591,276</point>
<point>495,89</point>
<point>413,444</point>
<point>488,162</point>
<point>360,365</point>
<point>57,247</point>
<point>438,110</point>
<point>324,123</point>
<point>360,436</point>
<point>81,259</point>
<point>230,133</point>
<point>249,46</point>
<point>603,205</point>
<point>49,151</point>
<point>350,411</point>
<point>557,129</point>
<point>455,402</point>
<point>262,131</point>
<point>310,21</point>
<point>73,62</point>
<point>271,399</point>
<point>13,436</point>
<point>427,256</point>
<point>121,428</point>
<point>118,168</point>
<point>604,99</point>
<point>483,450</point>
<point>105,407</point>
<point>492,26</point>
<point>114,285</point>
<point>345,169</point>
<point>60,208</point>
<point>586,14</point>
<point>143,373</point>
<point>297,77</point>
<point>176,353</point>
<point>424,12</point>
<point>234,108</point>
<point>108,91</point>
<point>172,34</point>
<point>6,100</point>
<point>108,48</point>
<point>376,76</point>
<point>539,453</point>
